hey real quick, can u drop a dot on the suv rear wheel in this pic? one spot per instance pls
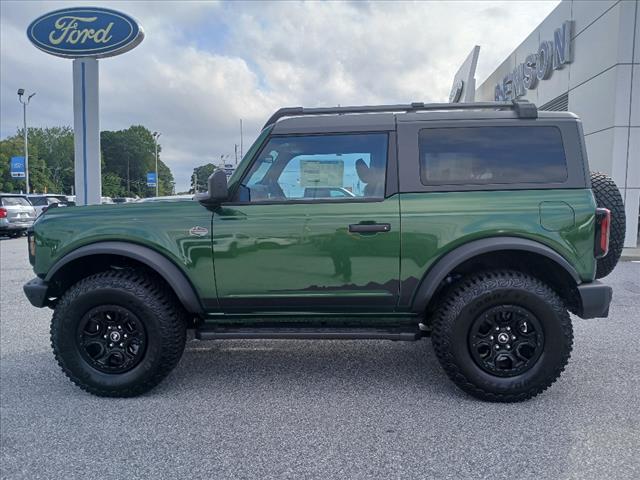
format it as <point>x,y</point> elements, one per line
<point>503,336</point>
<point>118,333</point>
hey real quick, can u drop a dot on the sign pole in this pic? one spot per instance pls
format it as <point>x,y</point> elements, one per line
<point>26,148</point>
<point>86,127</point>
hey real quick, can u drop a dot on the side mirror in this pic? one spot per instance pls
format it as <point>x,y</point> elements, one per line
<point>218,192</point>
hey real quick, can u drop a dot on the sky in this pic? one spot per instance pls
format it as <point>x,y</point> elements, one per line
<point>203,66</point>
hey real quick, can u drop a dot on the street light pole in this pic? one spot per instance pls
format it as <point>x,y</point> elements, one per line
<point>156,136</point>
<point>26,146</point>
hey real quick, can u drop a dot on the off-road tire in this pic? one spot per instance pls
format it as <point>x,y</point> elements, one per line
<point>477,294</point>
<point>150,301</point>
<point>608,196</point>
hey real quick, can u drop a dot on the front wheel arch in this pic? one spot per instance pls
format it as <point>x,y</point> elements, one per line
<point>94,257</point>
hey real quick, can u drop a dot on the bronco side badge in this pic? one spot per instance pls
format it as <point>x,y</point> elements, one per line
<point>198,231</point>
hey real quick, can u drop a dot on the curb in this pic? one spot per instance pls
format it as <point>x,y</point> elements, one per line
<point>630,254</point>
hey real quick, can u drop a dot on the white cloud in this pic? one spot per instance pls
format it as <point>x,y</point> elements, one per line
<point>205,65</point>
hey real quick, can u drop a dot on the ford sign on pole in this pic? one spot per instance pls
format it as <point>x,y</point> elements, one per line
<point>17,167</point>
<point>85,34</point>
<point>82,32</point>
<point>151,179</point>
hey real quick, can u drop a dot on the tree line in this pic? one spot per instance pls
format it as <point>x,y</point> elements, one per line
<point>126,156</point>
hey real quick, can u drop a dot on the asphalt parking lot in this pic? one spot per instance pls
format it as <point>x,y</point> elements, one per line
<point>323,409</point>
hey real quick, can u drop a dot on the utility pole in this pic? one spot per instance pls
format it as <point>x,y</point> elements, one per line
<point>235,149</point>
<point>156,136</point>
<point>241,141</point>
<point>26,146</point>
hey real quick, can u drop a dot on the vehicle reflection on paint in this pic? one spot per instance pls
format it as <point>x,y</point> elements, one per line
<point>229,244</point>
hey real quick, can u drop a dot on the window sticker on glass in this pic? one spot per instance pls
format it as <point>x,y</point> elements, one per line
<point>321,173</point>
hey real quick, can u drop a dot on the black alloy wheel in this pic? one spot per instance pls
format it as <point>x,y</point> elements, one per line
<point>506,340</point>
<point>118,333</point>
<point>111,339</point>
<point>502,335</point>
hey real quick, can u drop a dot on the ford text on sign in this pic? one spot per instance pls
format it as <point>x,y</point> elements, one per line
<point>85,32</point>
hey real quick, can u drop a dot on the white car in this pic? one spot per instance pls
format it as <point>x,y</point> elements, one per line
<point>168,198</point>
<point>16,214</point>
<point>40,202</point>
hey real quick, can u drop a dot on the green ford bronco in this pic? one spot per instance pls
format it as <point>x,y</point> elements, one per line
<point>478,225</point>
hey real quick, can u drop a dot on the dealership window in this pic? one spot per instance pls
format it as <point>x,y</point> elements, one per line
<point>491,155</point>
<point>326,167</point>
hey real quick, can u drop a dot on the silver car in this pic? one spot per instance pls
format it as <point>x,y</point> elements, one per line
<point>41,202</point>
<point>16,214</point>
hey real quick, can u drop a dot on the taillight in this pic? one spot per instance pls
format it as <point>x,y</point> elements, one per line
<point>603,228</point>
<point>3,213</point>
<point>31,242</point>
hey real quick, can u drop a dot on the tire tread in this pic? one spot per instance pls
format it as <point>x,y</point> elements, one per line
<point>157,297</point>
<point>470,288</point>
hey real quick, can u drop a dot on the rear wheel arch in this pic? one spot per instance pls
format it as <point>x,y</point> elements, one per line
<point>517,253</point>
<point>102,255</point>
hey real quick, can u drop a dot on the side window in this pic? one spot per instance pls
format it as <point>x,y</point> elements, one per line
<point>38,201</point>
<point>337,166</point>
<point>491,155</point>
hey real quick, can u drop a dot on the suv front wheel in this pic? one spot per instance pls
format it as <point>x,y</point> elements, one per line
<point>503,336</point>
<point>118,333</point>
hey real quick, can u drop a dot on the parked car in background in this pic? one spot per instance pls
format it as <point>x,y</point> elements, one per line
<point>168,198</point>
<point>106,201</point>
<point>16,214</point>
<point>40,202</point>
<point>123,199</point>
<point>327,192</point>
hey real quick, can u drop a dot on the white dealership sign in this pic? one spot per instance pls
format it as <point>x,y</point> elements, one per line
<point>551,55</point>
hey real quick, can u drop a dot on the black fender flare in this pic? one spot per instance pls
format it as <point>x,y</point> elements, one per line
<point>447,263</point>
<point>164,267</point>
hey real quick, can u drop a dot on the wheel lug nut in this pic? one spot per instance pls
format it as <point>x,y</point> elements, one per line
<point>497,347</point>
<point>508,347</point>
<point>109,327</point>
<point>104,336</point>
<point>111,344</point>
<point>125,336</point>
<point>122,345</point>
<point>490,338</point>
<point>513,337</point>
<point>119,327</point>
<point>497,329</point>
<point>508,328</point>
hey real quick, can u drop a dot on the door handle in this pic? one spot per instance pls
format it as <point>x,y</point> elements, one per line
<point>369,227</point>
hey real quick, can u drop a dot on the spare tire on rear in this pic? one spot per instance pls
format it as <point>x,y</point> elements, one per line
<point>608,196</point>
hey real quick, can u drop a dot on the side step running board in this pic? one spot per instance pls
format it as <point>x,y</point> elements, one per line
<point>307,333</point>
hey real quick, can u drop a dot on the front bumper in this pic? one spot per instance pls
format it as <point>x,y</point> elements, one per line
<point>595,298</point>
<point>36,292</point>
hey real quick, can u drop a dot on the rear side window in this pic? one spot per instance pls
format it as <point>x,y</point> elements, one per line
<point>491,155</point>
<point>14,201</point>
<point>38,201</point>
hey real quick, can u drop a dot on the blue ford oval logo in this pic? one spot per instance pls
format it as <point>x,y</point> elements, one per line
<point>85,32</point>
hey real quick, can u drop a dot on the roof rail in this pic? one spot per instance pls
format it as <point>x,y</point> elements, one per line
<point>523,109</point>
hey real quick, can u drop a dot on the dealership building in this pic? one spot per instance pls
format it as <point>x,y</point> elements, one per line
<point>584,58</point>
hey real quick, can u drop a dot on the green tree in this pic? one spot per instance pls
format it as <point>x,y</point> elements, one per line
<point>10,147</point>
<point>50,160</point>
<point>126,156</point>
<point>200,176</point>
<point>130,155</point>
<point>55,149</point>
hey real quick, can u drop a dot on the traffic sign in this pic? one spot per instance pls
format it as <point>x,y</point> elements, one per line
<point>17,167</point>
<point>151,179</point>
